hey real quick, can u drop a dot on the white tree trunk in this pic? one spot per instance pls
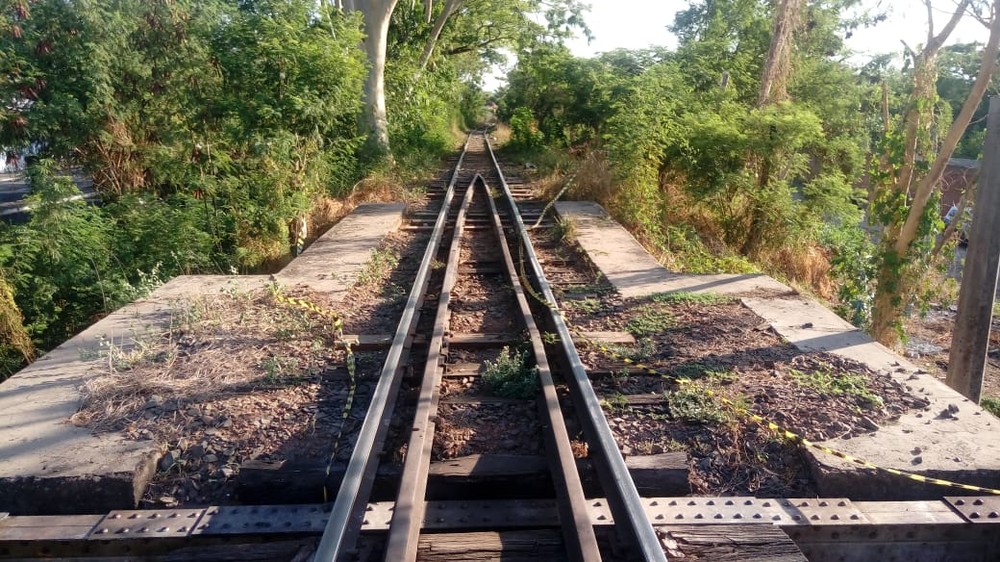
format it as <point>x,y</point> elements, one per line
<point>450,7</point>
<point>377,15</point>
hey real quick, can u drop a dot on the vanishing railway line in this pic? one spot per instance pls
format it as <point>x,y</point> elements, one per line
<point>476,251</point>
<point>479,291</point>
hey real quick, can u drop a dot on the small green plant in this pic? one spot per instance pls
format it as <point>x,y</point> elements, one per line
<point>684,297</point>
<point>694,405</point>
<point>564,230</point>
<point>550,338</point>
<point>380,264</point>
<point>510,376</point>
<point>642,350</point>
<point>616,403</point>
<point>828,382</point>
<point>992,405</point>
<point>649,321</point>
<point>588,305</point>
<point>619,377</point>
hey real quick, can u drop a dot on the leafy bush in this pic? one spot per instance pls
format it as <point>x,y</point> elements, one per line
<point>524,133</point>
<point>510,376</point>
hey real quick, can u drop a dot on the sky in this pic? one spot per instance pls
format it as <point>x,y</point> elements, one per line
<point>636,24</point>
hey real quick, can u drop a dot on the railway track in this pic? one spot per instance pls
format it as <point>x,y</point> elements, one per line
<point>525,491</point>
<point>477,235</point>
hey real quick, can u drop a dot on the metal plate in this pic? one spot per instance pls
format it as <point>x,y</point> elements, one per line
<point>493,514</point>
<point>272,519</point>
<point>129,524</point>
<point>812,511</point>
<point>976,509</point>
<point>742,510</point>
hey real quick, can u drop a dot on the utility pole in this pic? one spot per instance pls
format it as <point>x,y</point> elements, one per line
<point>971,335</point>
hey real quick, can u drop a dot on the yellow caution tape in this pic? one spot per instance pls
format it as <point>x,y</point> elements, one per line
<point>760,420</point>
<point>338,328</point>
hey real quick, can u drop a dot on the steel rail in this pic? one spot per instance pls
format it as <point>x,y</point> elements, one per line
<point>408,515</point>
<point>626,505</point>
<point>346,517</point>
<point>574,517</point>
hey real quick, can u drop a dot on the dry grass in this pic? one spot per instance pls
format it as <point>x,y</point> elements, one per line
<point>594,180</point>
<point>500,136</point>
<point>216,347</point>
<point>805,265</point>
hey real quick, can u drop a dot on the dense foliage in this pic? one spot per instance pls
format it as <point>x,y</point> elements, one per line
<point>208,126</point>
<point>716,173</point>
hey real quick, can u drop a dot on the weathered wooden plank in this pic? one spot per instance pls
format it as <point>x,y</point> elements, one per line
<point>507,546</point>
<point>730,543</point>
<point>908,513</point>
<point>48,527</point>
<point>479,341</point>
<point>665,474</point>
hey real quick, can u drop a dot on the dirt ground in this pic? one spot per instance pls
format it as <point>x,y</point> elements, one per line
<point>929,343</point>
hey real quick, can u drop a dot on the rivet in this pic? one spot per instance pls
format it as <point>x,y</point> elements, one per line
<point>679,516</point>
<point>370,508</point>
<point>775,518</point>
<point>182,530</point>
<point>692,502</point>
<point>699,516</point>
<point>748,502</point>
<point>163,530</point>
<point>797,517</point>
<point>977,502</point>
<point>738,516</point>
<point>766,504</point>
<point>659,516</point>
<point>959,502</point>
<point>974,515</point>
<point>103,531</point>
<point>116,516</point>
<point>730,502</point>
<point>710,502</point>
<point>842,504</point>
<point>835,517</point>
<point>154,516</point>
<point>144,530</point>
<point>854,516</point>
<point>654,503</point>
<point>823,504</point>
<point>718,516</point>
<point>602,517</point>
<point>757,516</point>
<point>815,517</point>
<point>994,515</point>
<point>672,502</point>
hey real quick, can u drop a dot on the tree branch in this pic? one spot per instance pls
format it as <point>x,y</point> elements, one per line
<point>450,7</point>
<point>926,187</point>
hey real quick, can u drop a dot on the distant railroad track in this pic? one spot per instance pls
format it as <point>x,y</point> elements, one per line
<point>466,195</point>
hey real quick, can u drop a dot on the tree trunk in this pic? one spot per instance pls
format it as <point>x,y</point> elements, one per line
<point>900,271</point>
<point>377,15</point>
<point>450,7</point>
<point>774,78</point>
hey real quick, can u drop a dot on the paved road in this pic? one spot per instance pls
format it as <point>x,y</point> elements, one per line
<point>14,188</point>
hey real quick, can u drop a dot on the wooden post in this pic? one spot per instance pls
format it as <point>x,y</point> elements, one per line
<point>971,334</point>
